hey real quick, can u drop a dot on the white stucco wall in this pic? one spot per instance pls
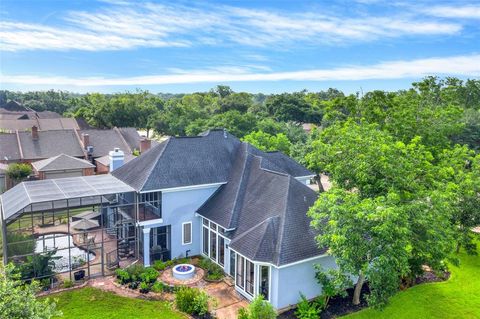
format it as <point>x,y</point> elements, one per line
<point>288,282</point>
<point>179,207</point>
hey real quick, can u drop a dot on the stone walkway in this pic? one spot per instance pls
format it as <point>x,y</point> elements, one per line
<point>227,305</point>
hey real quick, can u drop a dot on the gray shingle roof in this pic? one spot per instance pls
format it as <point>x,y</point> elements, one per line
<point>9,147</point>
<point>186,161</point>
<point>268,211</point>
<point>61,162</point>
<point>49,144</point>
<point>182,161</point>
<point>104,141</point>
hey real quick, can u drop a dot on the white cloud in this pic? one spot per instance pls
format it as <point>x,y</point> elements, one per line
<point>462,12</point>
<point>468,66</point>
<point>120,25</point>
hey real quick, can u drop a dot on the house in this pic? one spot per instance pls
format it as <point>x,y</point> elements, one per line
<point>14,116</point>
<point>36,144</point>
<point>209,195</point>
<point>62,166</point>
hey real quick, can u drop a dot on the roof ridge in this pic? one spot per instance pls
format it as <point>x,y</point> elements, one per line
<point>281,228</point>
<point>124,141</point>
<point>236,207</point>
<point>152,167</point>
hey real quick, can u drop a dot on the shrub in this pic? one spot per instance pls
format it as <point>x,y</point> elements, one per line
<point>169,263</point>
<point>144,287</point>
<point>306,309</point>
<point>159,265</point>
<point>135,271</point>
<point>122,276</point>
<point>67,284</point>
<point>200,303</point>
<point>158,287</point>
<point>191,300</point>
<point>258,309</point>
<point>133,285</point>
<point>149,275</point>
<point>213,271</point>
<point>184,298</point>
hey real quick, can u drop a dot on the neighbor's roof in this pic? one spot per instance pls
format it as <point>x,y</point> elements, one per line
<point>61,162</point>
<point>9,147</point>
<point>195,160</point>
<point>104,141</point>
<point>22,195</point>
<point>105,160</point>
<point>268,212</point>
<point>49,144</point>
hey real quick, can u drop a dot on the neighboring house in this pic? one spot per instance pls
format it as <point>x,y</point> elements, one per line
<point>33,145</point>
<point>103,163</point>
<point>14,116</point>
<point>62,166</point>
<point>209,195</point>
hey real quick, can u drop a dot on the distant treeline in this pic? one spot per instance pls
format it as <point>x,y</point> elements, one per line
<point>449,105</point>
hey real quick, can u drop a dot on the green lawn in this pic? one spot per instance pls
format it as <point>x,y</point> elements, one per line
<point>91,303</point>
<point>459,297</point>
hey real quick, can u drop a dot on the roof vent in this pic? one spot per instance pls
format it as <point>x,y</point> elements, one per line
<point>225,133</point>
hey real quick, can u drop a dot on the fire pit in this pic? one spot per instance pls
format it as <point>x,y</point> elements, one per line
<point>183,271</point>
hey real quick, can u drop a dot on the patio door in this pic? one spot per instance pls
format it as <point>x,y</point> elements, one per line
<point>160,243</point>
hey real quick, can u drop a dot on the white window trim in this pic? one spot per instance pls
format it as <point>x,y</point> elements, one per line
<point>183,234</point>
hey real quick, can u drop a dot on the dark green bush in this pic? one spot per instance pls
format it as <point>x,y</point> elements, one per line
<point>135,271</point>
<point>158,287</point>
<point>191,300</point>
<point>258,309</point>
<point>159,265</point>
<point>306,309</point>
<point>123,276</point>
<point>149,275</point>
<point>213,271</point>
<point>144,287</point>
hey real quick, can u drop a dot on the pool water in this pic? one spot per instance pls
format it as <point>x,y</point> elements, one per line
<point>60,241</point>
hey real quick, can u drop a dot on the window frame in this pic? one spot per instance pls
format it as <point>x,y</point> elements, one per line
<point>183,233</point>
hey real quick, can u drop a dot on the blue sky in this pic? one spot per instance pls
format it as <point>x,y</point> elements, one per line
<point>255,46</point>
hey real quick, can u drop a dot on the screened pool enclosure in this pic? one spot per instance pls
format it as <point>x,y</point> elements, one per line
<point>70,227</point>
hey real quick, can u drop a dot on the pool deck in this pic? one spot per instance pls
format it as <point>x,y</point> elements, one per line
<point>109,245</point>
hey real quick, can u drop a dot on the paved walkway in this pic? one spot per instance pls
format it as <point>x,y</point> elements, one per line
<point>227,305</point>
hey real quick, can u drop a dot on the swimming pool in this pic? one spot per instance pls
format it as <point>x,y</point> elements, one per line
<point>60,241</point>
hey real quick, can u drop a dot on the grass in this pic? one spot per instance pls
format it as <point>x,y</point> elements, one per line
<point>90,303</point>
<point>459,297</point>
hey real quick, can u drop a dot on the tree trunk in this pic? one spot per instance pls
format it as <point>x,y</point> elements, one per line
<point>358,289</point>
<point>319,183</point>
<point>458,247</point>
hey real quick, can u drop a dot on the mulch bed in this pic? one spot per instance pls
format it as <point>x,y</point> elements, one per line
<point>339,306</point>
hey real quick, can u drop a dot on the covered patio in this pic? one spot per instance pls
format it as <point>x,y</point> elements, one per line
<point>71,225</point>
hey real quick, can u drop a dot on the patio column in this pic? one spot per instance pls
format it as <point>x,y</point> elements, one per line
<point>146,246</point>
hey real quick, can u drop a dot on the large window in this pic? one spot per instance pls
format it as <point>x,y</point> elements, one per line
<point>205,241</point>
<point>232,263</point>
<point>240,272</point>
<point>221,250</point>
<point>150,206</point>
<point>249,277</point>
<point>264,281</point>
<point>187,233</point>
<point>213,242</point>
<point>213,245</point>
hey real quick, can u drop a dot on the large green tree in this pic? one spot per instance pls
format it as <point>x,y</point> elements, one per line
<point>18,300</point>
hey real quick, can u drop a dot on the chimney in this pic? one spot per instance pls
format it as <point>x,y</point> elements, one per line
<point>145,144</point>
<point>85,140</point>
<point>117,158</point>
<point>35,132</point>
